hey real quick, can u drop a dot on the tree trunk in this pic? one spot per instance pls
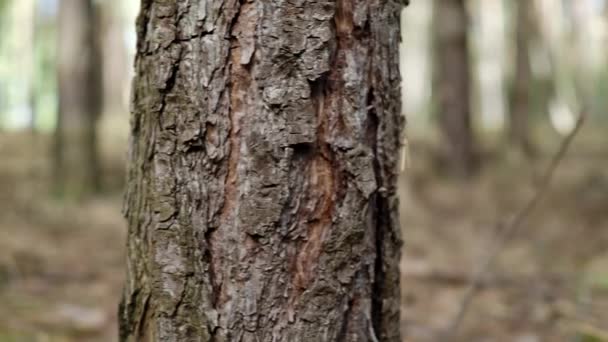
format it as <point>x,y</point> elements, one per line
<point>261,195</point>
<point>3,87</point>
<point>519,130</point>
<point>452,85</point>
<point>115,60</point>
<point>76,161</point>
<point>3,105</point>
<point>544,84</point>
<point>33,82</point>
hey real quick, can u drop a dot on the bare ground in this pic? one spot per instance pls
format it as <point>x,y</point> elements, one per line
<point>61,264</point>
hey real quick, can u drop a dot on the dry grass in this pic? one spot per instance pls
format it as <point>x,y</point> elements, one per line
<point>550,282</point>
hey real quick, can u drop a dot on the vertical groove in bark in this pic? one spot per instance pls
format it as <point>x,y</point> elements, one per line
<point>75,152</point>
<point>261,198</point>
<point>451,83</point>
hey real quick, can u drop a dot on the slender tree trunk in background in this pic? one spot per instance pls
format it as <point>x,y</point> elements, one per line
<point>3,88</point>
<point>33,108</point>
<point>115,60</point>
<point>33,94</point>
<point>261,195</point>
<point>519,120</point>
<point>76,159</point>
<point>451,83</point>
<point>3,106</point>
<point>544,84</point>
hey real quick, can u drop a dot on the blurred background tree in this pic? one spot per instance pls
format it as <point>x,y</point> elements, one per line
<point>522,84</point>
<point>452,85</point>
<point>76,160</point>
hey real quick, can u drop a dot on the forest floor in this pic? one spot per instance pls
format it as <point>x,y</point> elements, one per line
<point>61,262</point>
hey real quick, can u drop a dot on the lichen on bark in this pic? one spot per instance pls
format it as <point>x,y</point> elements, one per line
<point>261,198</point>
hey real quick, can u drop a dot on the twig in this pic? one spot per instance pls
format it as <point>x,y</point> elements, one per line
<point>496,281</point>
<point>579,325</point>
<point>589,329</point>
<point>505,234</point>
<point>370,325</point>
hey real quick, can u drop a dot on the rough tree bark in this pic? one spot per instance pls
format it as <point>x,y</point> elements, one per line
<point>451,85</point>
<point>75,159</point>
<point>261,197</point>
<point>519,119</point>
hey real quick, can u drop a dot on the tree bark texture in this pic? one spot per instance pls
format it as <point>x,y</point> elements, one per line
<point>76,162</point>
<point>522,84</point>
<point>451,85</point>
<point>261,197</point>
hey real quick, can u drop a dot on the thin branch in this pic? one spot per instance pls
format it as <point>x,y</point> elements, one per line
<point>506,234</point>
<point>589,329</point>
<point>372,333</point>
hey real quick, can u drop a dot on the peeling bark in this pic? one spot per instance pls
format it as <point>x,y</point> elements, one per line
<point>261,198</point>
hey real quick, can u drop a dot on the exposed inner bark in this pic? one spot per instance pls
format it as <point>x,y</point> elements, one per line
<point>261,198</point>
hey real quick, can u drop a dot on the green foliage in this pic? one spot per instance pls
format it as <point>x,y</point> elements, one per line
<point>590,336</point>
<point>599,281</point>
<point>45,83</point>
<point>3,6</point>
<point>600,98</point>
<point>8,336</point>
